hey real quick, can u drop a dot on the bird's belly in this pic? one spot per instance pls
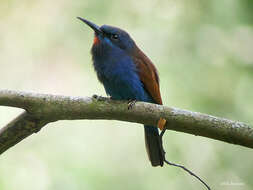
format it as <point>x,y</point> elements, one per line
<point>120,78</point>
<point>130,89</point>
<point>123,90</point>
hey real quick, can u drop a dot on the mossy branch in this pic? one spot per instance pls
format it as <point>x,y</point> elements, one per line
<point>44,108</point>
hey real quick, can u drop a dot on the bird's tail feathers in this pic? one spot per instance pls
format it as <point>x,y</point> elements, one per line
<point>154,146</point>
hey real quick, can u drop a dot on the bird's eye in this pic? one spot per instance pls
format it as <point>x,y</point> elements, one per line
<point>114,36</point>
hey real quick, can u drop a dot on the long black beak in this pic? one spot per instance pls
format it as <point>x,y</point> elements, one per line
<point>95,27</point>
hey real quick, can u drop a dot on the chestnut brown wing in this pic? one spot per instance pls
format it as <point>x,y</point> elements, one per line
<point>148,76</point>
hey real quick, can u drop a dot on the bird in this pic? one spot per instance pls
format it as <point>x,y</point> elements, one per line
<point>127,74</point>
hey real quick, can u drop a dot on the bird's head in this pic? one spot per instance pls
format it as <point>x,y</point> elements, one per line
<point>110,37</point>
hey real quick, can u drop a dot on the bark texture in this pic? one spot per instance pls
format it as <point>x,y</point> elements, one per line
<point>44,108</point>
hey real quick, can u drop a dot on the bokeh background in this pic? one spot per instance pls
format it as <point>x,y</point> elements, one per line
<point>204,53</point>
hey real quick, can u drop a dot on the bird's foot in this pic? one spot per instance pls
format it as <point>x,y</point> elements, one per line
<point>130,104</point>
<point>99,98</point>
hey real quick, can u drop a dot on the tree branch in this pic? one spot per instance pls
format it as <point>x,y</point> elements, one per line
<point>44,108</point>
<point>18,129</point>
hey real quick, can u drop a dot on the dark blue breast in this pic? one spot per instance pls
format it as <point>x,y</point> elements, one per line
<point>118,73</point>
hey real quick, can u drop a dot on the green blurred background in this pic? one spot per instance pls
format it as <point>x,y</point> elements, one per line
<point>204,53</point>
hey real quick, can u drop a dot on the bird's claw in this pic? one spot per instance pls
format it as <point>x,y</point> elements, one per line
<point>99,98</point>
<point>130,104</point>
